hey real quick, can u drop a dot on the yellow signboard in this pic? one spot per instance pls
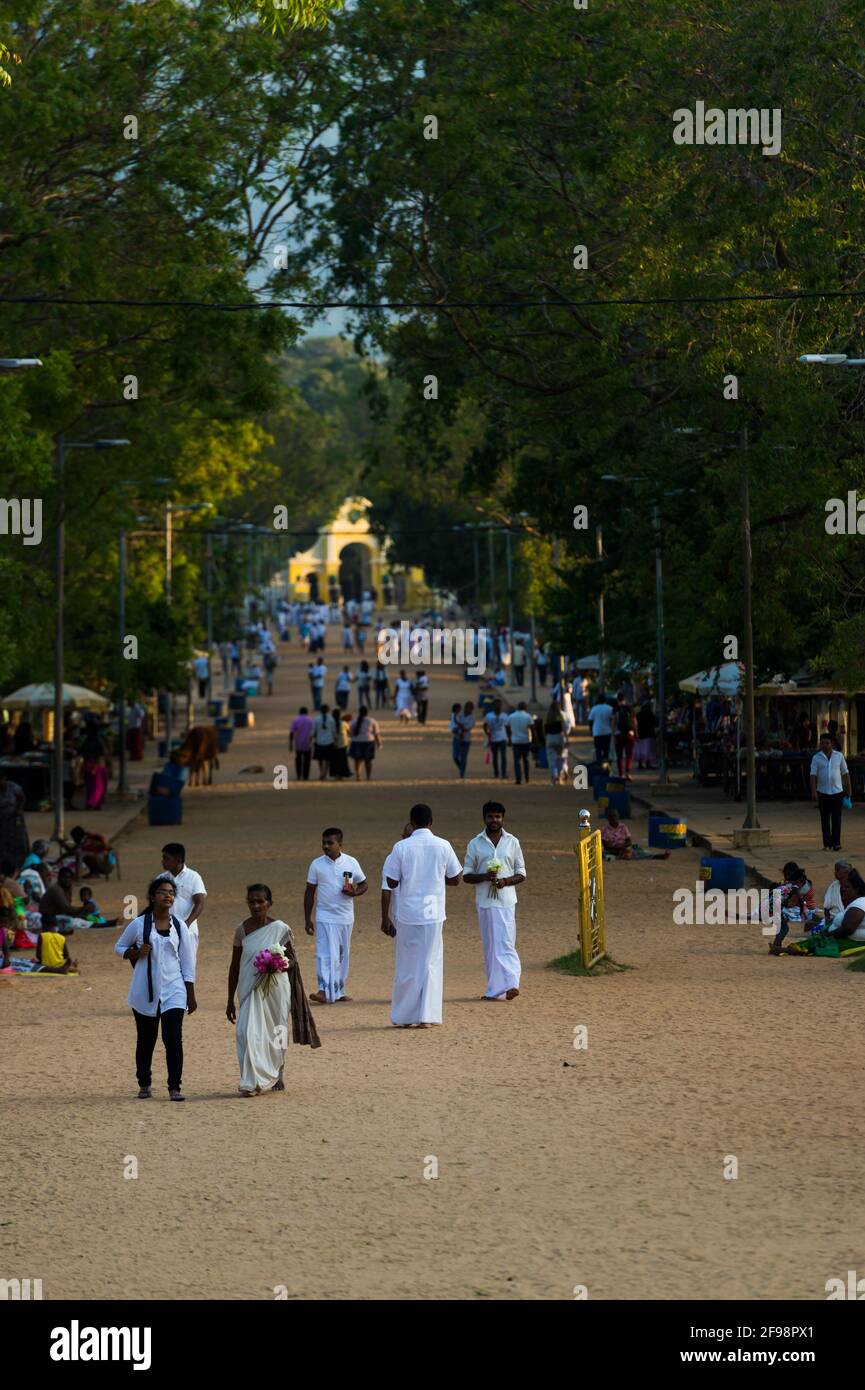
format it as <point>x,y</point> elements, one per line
<point>590,859</point>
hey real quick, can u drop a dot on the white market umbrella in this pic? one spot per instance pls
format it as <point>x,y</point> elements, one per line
<point>42,697</point>
<point>588,663</point>
<point>726,679</point>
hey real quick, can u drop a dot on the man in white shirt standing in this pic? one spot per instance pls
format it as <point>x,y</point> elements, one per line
<point>830,781</point>
<point>601,726</point>
<point>317,673</point>
<point>189,889</point>
<point>333,882</point>
<point>496,899</point>
<point>420,867</point>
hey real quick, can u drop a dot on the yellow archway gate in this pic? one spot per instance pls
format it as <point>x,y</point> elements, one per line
<point>350,527</point>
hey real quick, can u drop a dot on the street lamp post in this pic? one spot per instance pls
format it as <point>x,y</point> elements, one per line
<point>510,574</point>
<point>602,630</point>
<point>663,780</point>
<point>122,786</point>
<point>750,822</point>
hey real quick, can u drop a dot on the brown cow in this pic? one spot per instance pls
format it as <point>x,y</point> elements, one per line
<point>200,752</point>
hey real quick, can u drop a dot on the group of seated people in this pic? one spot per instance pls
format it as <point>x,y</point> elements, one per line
<point>36,901</point>
<point>836,929</point>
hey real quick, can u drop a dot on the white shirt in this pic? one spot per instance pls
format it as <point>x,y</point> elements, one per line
<point>829,772</point>
<point>420,865</point>
<point>187,882</point>
<point>601,720</point>
<point>318,673</point>
<point>202,667</point>
<point>832,902</point>
<point>496,726</point>
<point>171,967</point>
<point>859,933</point>
<point>328,875</point>
<point>520,723</point>
<point>508,853</point>
<point>344,680</point>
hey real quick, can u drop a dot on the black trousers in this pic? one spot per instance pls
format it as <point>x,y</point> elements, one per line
<point>521,758</point>
<point>301,765</point>
<point>602,747</point>
<point>831,807</point>
<point>422,706</point>
<point>500,758</point>
<point>172,1040</point>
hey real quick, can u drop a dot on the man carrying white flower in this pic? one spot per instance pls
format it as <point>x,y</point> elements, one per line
<point>494,862</point>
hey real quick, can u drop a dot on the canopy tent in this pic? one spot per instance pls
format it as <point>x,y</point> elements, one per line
<point>42,697</point>
<point>727,679</point>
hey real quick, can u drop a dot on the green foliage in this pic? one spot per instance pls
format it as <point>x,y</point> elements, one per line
<point>554,131</point>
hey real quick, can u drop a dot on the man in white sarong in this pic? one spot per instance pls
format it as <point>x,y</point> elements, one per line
<point>337,879</point>
<point>419,867</point>
<point>496,899</point>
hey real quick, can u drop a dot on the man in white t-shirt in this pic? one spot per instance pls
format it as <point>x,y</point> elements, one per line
<point>317,673</point>
<point>520,725</point>
<point>600,720</point>
<point>420,867</point>
<point>189,889</point>
<point>333,882</point>
<point>496,730</point>
<point>830,782</point>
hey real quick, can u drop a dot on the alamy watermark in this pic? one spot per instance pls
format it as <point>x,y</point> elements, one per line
<point>22,516</point>
<point>736,126</point>
<point>438,646</point>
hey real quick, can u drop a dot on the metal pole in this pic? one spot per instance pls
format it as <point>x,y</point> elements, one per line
<point>59,599</point>
<point>602,630</point>
<point>509,563</point>
<point>475,538</point>
<point>492,572</point>
<point>169,540</point>
<point>209,616</point>
<point>532,659</point>
<point>750,822</point>
<point>662,689</point>
<point>121,698</point>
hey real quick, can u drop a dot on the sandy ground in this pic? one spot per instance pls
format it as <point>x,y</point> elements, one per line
<point>601,1167</point>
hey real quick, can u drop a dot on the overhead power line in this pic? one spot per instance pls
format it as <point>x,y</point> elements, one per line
<point>430,306</point>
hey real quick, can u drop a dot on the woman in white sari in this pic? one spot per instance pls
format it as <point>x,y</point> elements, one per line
<point>266,1004</point>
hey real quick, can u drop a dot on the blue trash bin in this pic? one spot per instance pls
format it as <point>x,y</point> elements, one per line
<point>722,871</point>
<point>667,832</point>
<point>614,801</point>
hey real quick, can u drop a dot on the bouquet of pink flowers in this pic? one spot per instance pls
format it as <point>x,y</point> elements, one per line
<point>267,964</point>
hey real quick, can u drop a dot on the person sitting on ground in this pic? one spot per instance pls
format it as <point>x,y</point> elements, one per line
<point>795,897</point>
<point>55,903</point>
<point>833,902</point>
<point>9,881</point>
<point>87,849</point>
<point>617,842</point>
<point>844,933</point>
<point>52,953</point>
<point>91,911</point>
<point>36,867</point>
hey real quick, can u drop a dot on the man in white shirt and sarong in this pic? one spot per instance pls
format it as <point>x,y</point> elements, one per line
<point>494,862</point>
<point>390,896</point>
<point>420,867</point>
<point>333,882</point>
